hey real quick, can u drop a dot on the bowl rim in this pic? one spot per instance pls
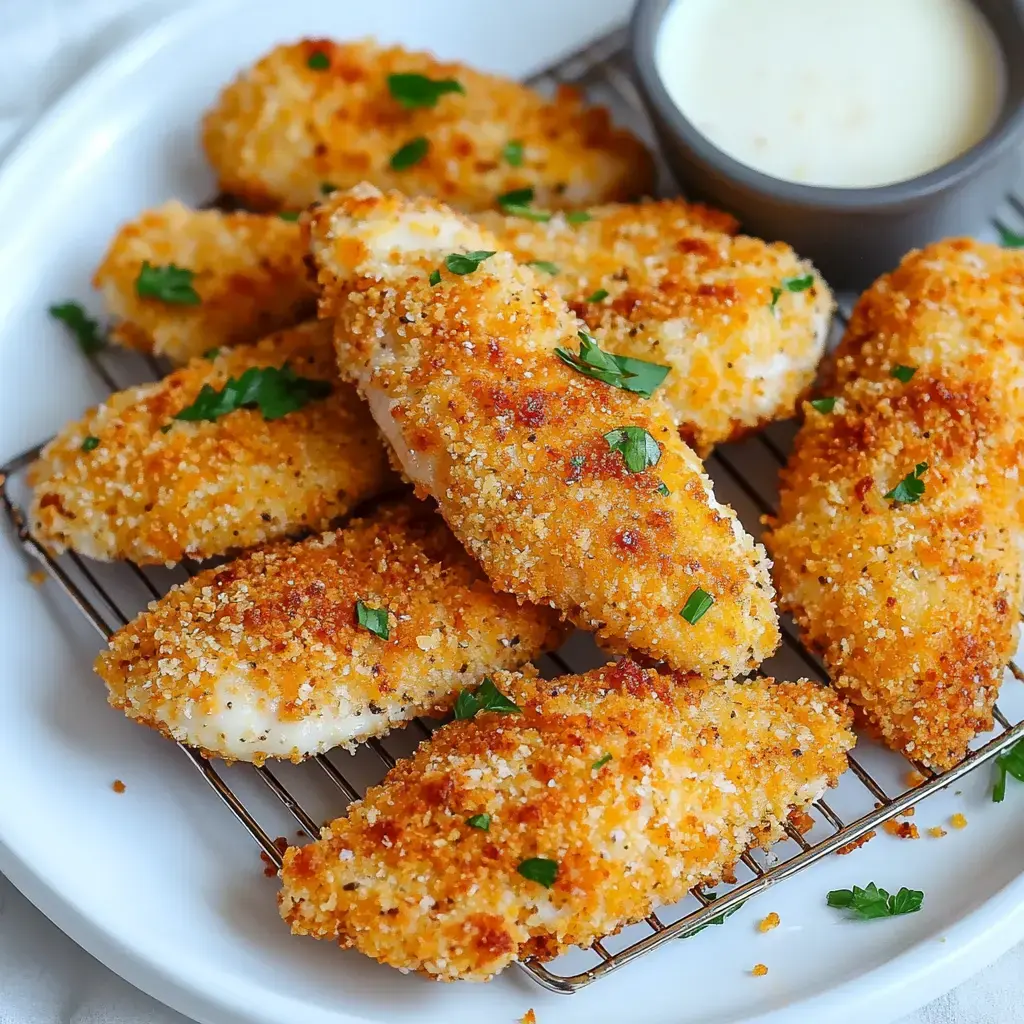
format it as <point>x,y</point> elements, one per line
<point>644,29</point>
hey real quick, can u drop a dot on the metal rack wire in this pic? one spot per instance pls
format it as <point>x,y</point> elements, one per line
<point>600,68</point>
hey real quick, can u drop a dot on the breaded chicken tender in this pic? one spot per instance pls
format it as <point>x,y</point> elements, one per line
<point>521,834</point>
<point>247,270</point>
<point>266,657</point>
<point>567,490</point>
<point>899,537</point>
<point>315,115</point>
<point>129,481</point>
<point>741,322</point>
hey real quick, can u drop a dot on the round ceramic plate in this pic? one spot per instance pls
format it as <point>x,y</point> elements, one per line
<point>161,883</point>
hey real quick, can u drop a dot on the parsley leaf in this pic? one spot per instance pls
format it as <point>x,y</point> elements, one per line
<point>539,869</point>
<point>486,697</point>
<point>292,215</point>
<point>318,61</point>
<point>1010,239</point>
<point>577,217</point>
<point>776,295</point>
<point>327,187</point>
<point>1009,762</point>
<point>663,489</point>
<point>410,154</point>
<point>720,919</point>
<point>824,404</point>
<point>697,604</point>
<point>871,903</point>
<point>545,265</point>
<point>910,488</point>
<point>791,284</point>
<point>435,278</point>
<point>623,372</point>
<point>212,353</point>
<point>86,330</point>
<point>903,373</point>
<point>462,263</point>
<point>90,443</point>
<point>513,153</point>
<point>412,90</point>
<point>275,392</point>
<point>600,762</point>
<point>599,296</point>
<point>480,821</point>
<point>169,284</point>
<point>373,619</point>
<point>517,203</point>
<point>638,449</point>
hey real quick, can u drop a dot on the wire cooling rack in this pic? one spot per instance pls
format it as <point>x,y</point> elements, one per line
<point>876,790</point>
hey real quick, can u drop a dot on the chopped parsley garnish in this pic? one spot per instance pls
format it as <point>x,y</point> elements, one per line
<point>873,902</point>
<point>486,697</point>
<point>410,154</point>
<point>1010,762</point>
<point>373,619</point>
<point>87,331</point>
<point>910,488</point>
<point>776,295</point>
<point>539,869</point>
<point>466,262</point>
<point>318,61</point>
<point>212,353</point>
<point>327,187</point>
<point>275,392</point>
<point>90,443</point>
<point>791,284</point>
<point>697,605</point>
<point>513,153</point>
<point>638,449</point>
<point>720,919</point>
<point>577,217</point>
<point>546,265</point>
<point>1010,239</point>
<point>903,373</point>
<point>663,489</point>
<point>599,296</point>
<point>824,404</point>
<point>621,372</point>
<point>600,762</point>
<point>292,215</point>
<point>169,284</point>
<point>435,278</point>
<point>480,821</point>
<point>517,203</point>
<point>412,90</point>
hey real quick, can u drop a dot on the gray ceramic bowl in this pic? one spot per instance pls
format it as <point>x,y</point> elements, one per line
<point>851,234</point>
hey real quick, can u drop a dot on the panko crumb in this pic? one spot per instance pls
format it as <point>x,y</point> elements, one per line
<point>958,821</point>
<point>914,779</point>
<point>759,970</point>
<point>36,578</point>
<point>856,844</point>
<point>118,786</point>
<point>771,921</point>
<point>902,829</point>
<point>801,820</point>
<point>937,832</point>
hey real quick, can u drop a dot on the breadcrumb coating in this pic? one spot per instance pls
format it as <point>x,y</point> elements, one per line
<point>697,772</point>
<point>249,274</point>
<point>670,282</point>
<point>203,488</point>
<point>284,132</point>
<point>915,605</point>
<point>463,381</point>
<point>263,657</point>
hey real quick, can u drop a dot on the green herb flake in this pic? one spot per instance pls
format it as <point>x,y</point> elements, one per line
<point>318,61</point>
<point>825,405</point>
<point>327,187</point>
<point>413,91</point>
<point>539,869</point>
<point>1010,239</point>
<point>903,373</point>
<point>798,284</point>
<point>910,488</point>
<point>462,263</point>
<point>600,762</point>
<point>87,331</point>
<point>871,902</point>
<point>577,217</point>
<point>720,919</point>
<point>513,153</point>
<point>169,284</point>
<point>435,278</point>
<point>776,295</point>
<point>518,203</point>
<point>599,296</point>
<point>480,821</point>
<point>486,697</point>
<point>289,215</point>
<point>373,619</point>
<point>90,443</point>
<point>623,372</point>
<point>410,154</point>
<point>546,265</point>
<point>212,353</point>
<point>663,489</point>
<point>1010,762</point>
<point>697,605</point>
<point>638,449</point>
<point>275,392</point>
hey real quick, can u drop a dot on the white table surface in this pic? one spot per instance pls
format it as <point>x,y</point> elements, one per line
<point>44,977</point>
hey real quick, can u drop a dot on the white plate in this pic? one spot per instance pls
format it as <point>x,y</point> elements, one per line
<point>160,883</point>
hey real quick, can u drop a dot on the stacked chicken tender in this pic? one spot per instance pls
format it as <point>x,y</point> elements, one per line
<point>545,362</point>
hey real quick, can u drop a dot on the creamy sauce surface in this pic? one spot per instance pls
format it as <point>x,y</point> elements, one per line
<point>838,93</point>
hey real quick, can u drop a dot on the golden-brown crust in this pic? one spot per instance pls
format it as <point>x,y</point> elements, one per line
<point>684,291</point>
<point>204,488</point>
<point>914,606</point>
<point>249,274</point>
<point>697,772</point>
<point>263,657</point>
<point>510,441</point>
<point>283,131</point>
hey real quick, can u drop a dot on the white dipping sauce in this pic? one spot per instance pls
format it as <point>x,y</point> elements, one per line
<point>840,93</point>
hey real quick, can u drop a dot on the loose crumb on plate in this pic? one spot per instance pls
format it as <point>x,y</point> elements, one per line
<point>118,786</point>
<point>958,821</point>
<point>856,844</point>
<point>528,1018</point>
<point>770,922</point>
<point>902,829</point>
<point>37,577</point>
<point>759,970</point>
<point>914,779</point>
<point>937,832</point>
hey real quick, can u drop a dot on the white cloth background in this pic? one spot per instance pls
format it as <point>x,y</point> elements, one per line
<point>44,977</point>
